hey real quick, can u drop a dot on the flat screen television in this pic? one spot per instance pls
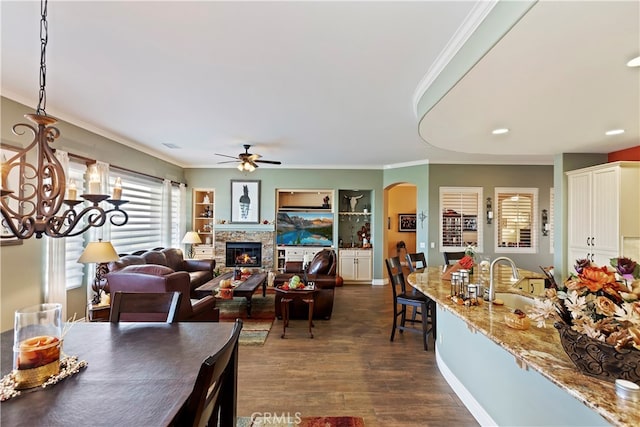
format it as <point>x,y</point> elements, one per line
<point>304,229</point>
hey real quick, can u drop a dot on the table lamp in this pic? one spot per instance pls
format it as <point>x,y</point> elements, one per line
<point>191,238</point>
<point>100,253</point>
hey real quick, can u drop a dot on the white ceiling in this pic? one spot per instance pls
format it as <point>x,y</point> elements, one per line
<point>328,84</point>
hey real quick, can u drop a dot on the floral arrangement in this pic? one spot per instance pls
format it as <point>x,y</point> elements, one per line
<point>470,251</point>
<point>602,303</point>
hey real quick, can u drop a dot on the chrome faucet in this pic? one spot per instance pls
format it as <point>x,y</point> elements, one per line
<point>514,273</point>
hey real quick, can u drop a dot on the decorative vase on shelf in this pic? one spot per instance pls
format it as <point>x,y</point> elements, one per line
<point>597,358</point>
<point>206,199</point>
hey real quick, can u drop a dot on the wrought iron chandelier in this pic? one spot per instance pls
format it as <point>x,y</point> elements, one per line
<point>35,204</point>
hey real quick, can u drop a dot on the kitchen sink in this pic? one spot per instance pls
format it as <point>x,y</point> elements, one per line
<point>515,300</point>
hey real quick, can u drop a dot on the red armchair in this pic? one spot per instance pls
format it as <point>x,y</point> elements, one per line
<point>158,278</point>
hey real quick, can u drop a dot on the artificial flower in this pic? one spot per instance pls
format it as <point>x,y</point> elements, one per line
<point>595,304</point>
<point>581,264</point>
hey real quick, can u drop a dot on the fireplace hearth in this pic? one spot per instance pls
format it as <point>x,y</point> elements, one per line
<point>243,254</point>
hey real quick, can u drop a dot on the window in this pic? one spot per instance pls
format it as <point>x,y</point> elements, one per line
<point>460,208</point>
<point>143,231</point>
<point>517,225</point>
<point>74,246</point>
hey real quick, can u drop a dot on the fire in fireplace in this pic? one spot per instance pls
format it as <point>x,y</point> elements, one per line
<point>244,254</point>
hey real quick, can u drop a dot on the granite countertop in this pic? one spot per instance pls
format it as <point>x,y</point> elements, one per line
<point>535,348</point>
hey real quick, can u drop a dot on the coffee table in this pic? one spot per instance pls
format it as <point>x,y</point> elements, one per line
<point>244,290</point>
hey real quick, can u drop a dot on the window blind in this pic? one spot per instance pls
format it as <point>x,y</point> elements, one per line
<point>143,230</point>
<point>74,245</point>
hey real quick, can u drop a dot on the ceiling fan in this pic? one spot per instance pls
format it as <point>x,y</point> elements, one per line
<point>248,161</point>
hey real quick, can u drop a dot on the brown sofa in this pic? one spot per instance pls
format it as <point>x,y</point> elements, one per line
<point>159,278</point>
<point>200,270</point>
<point>322,271</point>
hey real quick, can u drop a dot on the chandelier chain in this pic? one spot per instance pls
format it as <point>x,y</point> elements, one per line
<point>44,39</point>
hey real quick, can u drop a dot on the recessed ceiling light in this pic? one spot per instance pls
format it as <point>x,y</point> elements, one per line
<point>614,132</point>
<point>500,131</point>
<point>635,62</point>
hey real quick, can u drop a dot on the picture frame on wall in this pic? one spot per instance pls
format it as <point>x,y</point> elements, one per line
<point>407,222</point>
<point>245,201</point>
<point>10,178</point>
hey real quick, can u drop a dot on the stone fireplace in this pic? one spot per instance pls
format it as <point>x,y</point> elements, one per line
<point>229,234</point>
<point>243,254</point>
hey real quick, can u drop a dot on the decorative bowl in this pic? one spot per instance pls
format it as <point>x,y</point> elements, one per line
<point>599,359</point>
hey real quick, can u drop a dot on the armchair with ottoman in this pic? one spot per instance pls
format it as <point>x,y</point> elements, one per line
<point>322,271</point>
<point>200,271</point>
<point>159,278</point>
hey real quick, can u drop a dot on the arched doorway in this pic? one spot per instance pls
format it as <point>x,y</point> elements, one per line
<point>399,198</point>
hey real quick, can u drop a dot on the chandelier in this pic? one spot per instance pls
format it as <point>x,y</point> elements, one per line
<point>36,204</point>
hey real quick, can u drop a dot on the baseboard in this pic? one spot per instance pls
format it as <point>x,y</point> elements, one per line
<point>478,412</point>
<point>379,282</point>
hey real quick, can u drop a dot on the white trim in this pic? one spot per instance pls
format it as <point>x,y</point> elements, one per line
<point>463,394</point>
<point>464,33</point>
<point>379,282</point>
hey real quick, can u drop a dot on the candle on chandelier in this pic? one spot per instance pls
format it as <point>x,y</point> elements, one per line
<point>117,189</point>
<point>94,183</point>
<point>72,191</point>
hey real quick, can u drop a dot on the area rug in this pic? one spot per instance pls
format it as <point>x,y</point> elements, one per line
<point>256,328</point>
<point>262,308</point>
<point>300,422</point>
<point>254,332</point>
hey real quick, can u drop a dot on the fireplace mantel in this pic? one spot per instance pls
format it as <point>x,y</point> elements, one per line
<point>244,227</point>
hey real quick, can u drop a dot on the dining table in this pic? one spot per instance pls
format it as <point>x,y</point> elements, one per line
<point>137,374</point>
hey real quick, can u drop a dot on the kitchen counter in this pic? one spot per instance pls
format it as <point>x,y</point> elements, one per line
<point>536,348</point>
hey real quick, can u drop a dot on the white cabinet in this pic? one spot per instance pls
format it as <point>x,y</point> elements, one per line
<point>296,253</point>
<point>355,265</point>
<point>603,210</point>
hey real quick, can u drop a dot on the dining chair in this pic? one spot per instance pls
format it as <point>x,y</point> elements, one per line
<point>206,405</point>
<point>452,256</point>
<point>403,299</point>
<point>416,261</point>
<point>144,306</point>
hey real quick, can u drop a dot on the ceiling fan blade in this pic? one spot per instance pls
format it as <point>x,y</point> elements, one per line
<point>271,162</point>
<point>254,157</point>
<point>224,155</point>
<point>228,161</point>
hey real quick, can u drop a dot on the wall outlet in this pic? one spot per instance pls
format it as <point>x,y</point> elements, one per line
<point>422,245</point>
<point>433,245</point>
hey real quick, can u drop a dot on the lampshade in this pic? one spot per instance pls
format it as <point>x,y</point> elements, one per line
<point>98,252</point>
<point>191,237</point>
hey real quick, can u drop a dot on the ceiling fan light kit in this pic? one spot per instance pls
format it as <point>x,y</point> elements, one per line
<point>248,161</point>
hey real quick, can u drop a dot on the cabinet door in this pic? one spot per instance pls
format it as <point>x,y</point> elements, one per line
<point>579,210</point>
<point>363,266</point>
<point>347,267</point>
<point>606,215</point>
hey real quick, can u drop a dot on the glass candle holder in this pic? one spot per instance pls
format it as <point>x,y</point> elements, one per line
<point>37,344</point>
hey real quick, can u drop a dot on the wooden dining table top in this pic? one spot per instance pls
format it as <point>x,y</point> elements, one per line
<point>138,374</point>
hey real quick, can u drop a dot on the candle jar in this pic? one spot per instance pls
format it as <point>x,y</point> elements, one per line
<point>37,344</point>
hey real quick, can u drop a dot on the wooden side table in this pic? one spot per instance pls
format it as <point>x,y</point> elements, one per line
<point>287,295</point>
<point>98,313</point>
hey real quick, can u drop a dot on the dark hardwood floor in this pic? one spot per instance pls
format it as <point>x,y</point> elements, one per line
<point>350,368</point>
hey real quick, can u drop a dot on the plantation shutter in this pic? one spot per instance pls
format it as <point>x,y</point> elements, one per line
<point>459,212</point>
<point>516,224</point>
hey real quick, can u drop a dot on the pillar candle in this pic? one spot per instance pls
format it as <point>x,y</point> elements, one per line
<point>94,184</point>
<point>72,192</point>
<point>117,189</point>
